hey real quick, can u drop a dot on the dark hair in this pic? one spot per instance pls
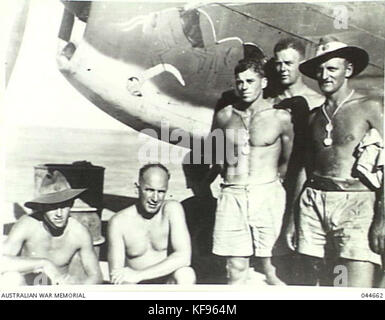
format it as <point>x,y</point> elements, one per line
<point>147,166</point>
<point>287,43</point>
<point>257,65</point>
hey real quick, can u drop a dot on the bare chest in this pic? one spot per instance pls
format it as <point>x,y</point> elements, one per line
<point>58,250</point>
<point>344,130</point>
<point>147,237</point>
<point>258,130</point>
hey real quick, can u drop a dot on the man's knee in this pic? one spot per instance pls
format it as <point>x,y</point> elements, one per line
<point>185,275</point>
<point>237,268</point>
<point>12,279</point>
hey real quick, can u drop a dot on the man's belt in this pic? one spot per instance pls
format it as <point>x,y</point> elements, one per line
<point>335,184</point>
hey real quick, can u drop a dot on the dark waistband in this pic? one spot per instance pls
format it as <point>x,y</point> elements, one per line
<point>336,184</point>
<point>225,185</point>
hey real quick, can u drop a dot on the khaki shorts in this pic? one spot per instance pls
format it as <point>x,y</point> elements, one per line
<point>248,219</point>
<point>339,220</point>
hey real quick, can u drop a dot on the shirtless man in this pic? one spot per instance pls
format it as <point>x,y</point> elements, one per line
<point>338,209</point>
<point>149,241</point>
<point>251,206</point>
<point>41,246</point>
<point>293,94</point>
<point>288,54</point>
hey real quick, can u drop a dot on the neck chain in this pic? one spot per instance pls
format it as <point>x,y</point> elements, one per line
<point>328,141</point>
<point>246,146</point>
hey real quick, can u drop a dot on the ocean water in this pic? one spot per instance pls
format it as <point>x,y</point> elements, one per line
<point>116,151</point>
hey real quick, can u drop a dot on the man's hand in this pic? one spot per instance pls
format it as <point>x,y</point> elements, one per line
<point>67,279</point>
<point>53,272</point>
<point>125,275</point>
<point>377,229</point>
<point>290,235</point>
<point>377,235</point>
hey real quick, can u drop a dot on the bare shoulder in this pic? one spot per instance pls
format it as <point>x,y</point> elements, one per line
<point>172,207</point>
<point>374,103</point>
<point>269,106</point>
<point>27,220</point>
<point>23,229</point>
<point>123,218</point>
<point>223,115</point>
<point>77,229</point>
<point>274,115</point>
<point>26,223</point>
<point>283,115</point>
<point>314,99</point>
<point>313,94</point>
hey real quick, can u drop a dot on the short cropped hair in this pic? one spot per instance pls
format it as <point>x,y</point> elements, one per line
<point>257,65</point>
<point>287,43</point>
<point>147,166</point>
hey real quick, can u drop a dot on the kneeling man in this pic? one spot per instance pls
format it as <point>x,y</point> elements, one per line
<point>41,246</point>
<point>149,241</point>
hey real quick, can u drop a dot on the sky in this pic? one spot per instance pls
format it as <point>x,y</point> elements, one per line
<point>37,94</point>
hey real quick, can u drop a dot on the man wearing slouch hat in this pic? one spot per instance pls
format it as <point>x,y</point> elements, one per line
<point>341,215</point>
<point>41,246</point>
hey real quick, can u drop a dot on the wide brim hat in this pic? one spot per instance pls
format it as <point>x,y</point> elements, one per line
<point>54,189</point>
<point>335,49</point>
<point>252,51</point>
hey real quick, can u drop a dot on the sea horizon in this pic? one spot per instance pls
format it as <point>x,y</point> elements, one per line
<point>115,150</point>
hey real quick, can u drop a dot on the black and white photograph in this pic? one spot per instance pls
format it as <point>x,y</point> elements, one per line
<point>215,145</point>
